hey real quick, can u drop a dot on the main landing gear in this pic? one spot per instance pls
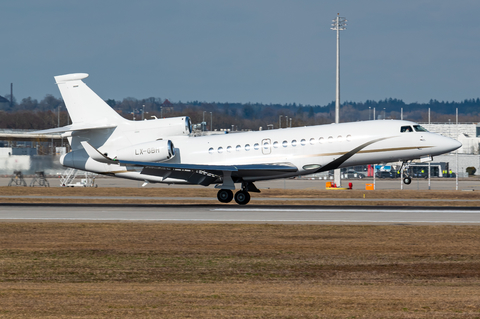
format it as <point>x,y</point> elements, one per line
<point>225,196</point>
<point>242,197</point>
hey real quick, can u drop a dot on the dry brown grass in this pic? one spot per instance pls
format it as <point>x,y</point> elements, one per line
<point>205,195</point>
<point>238,271</point>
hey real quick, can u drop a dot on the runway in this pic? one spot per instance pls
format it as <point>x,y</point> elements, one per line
<point>372,215</point>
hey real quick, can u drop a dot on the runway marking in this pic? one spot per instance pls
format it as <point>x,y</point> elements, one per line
<point>139,198</point>
<point>322,210</point>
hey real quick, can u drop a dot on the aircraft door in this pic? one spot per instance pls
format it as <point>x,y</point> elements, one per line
<point>266,146</point>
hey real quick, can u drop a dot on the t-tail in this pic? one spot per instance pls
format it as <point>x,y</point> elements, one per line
<point>85,107</point>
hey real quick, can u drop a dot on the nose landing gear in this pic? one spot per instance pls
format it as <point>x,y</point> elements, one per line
<point>404,170</point>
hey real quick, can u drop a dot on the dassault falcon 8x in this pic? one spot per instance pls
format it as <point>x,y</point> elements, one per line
<point>166,151</point>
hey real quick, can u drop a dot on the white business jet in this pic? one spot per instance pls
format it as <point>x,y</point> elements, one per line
<point>165,151</point>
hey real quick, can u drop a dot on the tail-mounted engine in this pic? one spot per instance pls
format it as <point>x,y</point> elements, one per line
<point>157,151</point>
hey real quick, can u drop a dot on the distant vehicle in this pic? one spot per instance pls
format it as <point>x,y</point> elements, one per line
<point>353,174</point>
<point>386,174</point>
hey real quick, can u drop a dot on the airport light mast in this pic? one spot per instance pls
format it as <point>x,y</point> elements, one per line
<point>339,24</point>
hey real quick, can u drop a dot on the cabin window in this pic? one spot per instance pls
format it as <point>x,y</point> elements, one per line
<point>210,150</point>
<point>419,128</point>
<point>256,146</point>
<point>339,138</point>
<point>349,138</point>
<point>285,143</point>
<point>312,141</point>
<point>330,139</point>
<point>321,140</point>
<point>266,145</point>
<point>247,147</point>
<point>407,128</point>
<point>220,149</point>
<point>229,149</point>
<point>238,148</point>
<point>303,142</point>
<point>275,144</point>
<point>294,143</point>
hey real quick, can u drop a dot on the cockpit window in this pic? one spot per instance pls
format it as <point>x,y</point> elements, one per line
<point>419,128</point>
<point>406,129</point>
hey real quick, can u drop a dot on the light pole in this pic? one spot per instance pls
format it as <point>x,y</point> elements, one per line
<point>339,24</point>
<point>211,122</point>
<point>280,121</point>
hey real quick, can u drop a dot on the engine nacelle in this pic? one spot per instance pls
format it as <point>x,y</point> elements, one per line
<point>156,151</point>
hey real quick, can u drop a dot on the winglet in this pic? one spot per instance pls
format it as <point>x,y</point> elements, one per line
<point>96,155</point>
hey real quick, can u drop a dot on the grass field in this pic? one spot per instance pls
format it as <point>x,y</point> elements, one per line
<point>238,271</point>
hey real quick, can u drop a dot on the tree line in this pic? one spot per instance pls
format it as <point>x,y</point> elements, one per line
<point>50,112</point>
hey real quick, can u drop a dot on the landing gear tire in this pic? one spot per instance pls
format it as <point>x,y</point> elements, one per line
<point>242,197</point>
<point>407,180</point>
<point>225,195</point>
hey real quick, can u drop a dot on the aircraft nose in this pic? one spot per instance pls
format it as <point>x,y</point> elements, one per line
<point>449,144</point>
<point>456,144</point>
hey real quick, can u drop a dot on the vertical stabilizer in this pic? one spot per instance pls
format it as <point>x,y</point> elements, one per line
<point>84,105</point>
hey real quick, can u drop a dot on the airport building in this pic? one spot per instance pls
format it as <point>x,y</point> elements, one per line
<point>466,133</point>
<point>23,150</point>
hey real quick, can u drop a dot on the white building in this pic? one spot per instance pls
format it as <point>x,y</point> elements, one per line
<point>466,133</point>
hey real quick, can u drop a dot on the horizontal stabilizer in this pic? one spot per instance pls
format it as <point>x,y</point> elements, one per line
<point>60,79</point>
<point>96,154</point>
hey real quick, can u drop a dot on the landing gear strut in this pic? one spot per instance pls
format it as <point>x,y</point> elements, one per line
<point>404,169</point>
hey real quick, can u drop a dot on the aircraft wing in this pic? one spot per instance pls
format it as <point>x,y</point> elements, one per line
<point>204,174</point>
<point>237,170</point>
<point>75,127</point>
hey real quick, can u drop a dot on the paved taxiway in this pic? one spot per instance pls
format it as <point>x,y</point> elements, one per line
<point>237,214</point>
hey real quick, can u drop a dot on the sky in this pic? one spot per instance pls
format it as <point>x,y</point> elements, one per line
<point>258,51</point>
